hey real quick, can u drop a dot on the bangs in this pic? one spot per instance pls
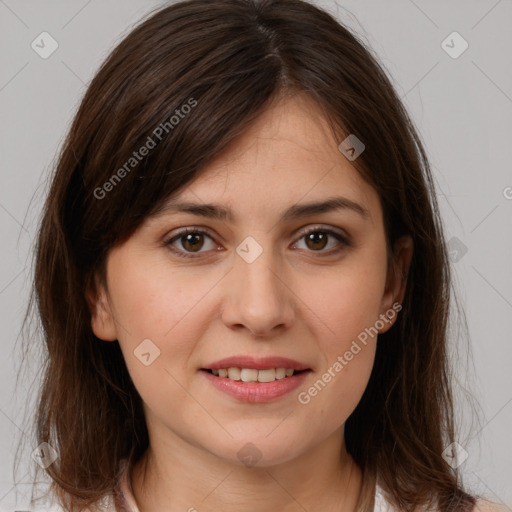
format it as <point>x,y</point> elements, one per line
<point>156,139</point>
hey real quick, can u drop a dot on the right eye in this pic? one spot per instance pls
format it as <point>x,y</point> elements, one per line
<point>191,241</point>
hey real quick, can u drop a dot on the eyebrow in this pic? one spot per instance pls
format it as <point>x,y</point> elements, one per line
<point>297,211</point>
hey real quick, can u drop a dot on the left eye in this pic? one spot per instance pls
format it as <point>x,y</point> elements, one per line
<point>317,239</point>
<point>192,241</point>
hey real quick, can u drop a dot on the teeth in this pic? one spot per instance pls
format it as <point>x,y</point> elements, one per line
<point>253,375</point>
<point>234,373</point>
<point>267,375</point>
<point>280,373</point>
<point>247,375</point>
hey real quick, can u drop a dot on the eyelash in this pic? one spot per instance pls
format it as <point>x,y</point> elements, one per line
<point>345,242</point>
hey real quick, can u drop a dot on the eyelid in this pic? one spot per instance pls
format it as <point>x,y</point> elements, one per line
<point>320,227</point>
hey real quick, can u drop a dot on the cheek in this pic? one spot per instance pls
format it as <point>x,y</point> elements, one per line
<point>329,399</point>
<point>154,303</point>
<point>152,299</point>
<point>339,384</point>
<point>151,303</point>
<point>348,303</point>
<point>167,306</point>
<point>348,298</point>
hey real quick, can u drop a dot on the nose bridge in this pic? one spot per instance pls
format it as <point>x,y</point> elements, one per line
<point>256,296</point>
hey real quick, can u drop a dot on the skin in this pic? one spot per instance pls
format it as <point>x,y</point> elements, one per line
<point>297,299</point>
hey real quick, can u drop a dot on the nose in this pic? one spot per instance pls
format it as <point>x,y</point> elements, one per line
<point>257,297</point>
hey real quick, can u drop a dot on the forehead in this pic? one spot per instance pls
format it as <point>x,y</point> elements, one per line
<point>291,133</point>
<point>288,156</point>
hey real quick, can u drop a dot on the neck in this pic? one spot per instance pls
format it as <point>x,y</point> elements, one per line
<point>183,477</point>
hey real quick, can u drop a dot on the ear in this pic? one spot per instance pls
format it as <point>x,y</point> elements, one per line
<point>396,279</point>
<point>102,319</point>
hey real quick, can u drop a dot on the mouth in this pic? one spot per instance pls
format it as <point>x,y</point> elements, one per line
<point>253,374</point>
<point>255,385</point>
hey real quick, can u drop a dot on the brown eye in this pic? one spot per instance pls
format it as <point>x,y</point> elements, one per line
<point>316,240</point>
<point>191,241</point>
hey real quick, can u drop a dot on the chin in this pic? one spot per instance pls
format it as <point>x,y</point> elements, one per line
<point>258,452</point>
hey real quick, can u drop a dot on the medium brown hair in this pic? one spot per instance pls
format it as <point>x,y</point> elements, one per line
<point>234,58</point>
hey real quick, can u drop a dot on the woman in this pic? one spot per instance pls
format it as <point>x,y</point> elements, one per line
<point>242,278</point>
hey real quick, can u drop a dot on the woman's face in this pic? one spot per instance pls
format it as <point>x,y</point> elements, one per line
<point>252,284</point>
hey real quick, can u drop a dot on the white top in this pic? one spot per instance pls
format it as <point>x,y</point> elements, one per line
<point>381,505</point>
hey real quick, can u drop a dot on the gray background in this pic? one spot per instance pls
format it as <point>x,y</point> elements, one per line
<point>461,106</point>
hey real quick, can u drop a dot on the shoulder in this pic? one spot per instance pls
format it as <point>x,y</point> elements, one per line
<point>483,505</point>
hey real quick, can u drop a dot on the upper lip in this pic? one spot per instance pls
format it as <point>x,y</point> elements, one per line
<point>257,363</point>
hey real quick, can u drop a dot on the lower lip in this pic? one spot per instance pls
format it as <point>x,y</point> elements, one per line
<point>257,391</point>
